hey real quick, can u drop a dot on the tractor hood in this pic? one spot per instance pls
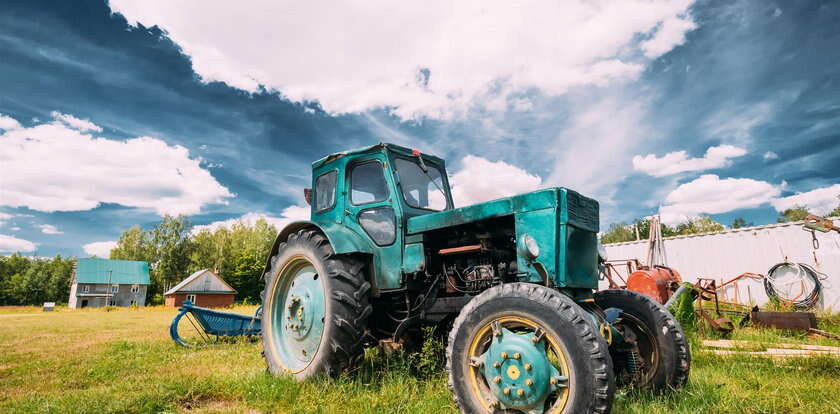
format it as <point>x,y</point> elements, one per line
<point>572,208</point>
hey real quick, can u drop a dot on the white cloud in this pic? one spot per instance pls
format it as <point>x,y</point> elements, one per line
<point>49,229</point>
<point>288,215</point>
<point>433,59</point>
<point>482,180</point>
<point>819,201</point>
<point>4,217</point>
<point>591,154</point>
<point>770,155</point>
<point>670,33</point>
<point>100,249</point>
<point>76,123</point>
<point>14,228</point>
<point>8,123</point>
<point>678,161</point>
<point>709,194</point>
<point>52,167</point>
<point>9,244</point>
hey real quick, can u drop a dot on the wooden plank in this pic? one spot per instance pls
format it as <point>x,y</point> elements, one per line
<point>751,344</point>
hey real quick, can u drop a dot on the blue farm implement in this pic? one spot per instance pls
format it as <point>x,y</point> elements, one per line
<point>195,325</point>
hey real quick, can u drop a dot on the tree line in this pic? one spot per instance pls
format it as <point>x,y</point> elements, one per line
<point>33,281</point>
<point>639,229</point>
<point>173,251</point>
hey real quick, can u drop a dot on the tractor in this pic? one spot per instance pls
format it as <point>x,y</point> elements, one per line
<point>513,281</point>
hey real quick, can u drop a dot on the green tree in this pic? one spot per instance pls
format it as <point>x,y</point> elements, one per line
<point>740,222</point>
<point>30,281</point>
<point>171,246</point>
<point>795,213</point>
<point>133,244</point>
<point>238,253</point>
<point>618,232</point>
<point>621,232</point>
<point>702,224</point>
<point>836,211</point>
<point>12,269</point>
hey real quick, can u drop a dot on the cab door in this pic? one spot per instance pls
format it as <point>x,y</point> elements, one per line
<point>371,209</point>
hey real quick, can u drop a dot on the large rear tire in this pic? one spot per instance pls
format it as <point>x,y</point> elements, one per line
<point>654,355</point>
<point>315,308</point>
<point>521,347</point>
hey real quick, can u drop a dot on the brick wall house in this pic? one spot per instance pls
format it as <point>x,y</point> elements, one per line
<point>203,288</point>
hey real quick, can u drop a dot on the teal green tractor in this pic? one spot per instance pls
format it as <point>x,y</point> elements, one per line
<point>513,281</point>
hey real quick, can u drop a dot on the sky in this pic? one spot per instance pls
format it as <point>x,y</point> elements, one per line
<point>113,114</point>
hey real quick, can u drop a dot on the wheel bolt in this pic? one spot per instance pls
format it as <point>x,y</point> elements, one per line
<point>504,355</point>
<point>506,391</point>
<point>493,404</point>
<point>520,392</point>
<point>527,367</point>
<point>529,382</point>
<point>497,379</point>
<point>552,381</point>
<point>516,355</point>
<point>496,365</point>
<point>534,339</point>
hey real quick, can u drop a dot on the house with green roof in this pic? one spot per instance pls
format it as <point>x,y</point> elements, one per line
<point>102,282</point>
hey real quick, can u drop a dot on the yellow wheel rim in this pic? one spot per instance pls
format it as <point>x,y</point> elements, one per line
<point>555,351</point>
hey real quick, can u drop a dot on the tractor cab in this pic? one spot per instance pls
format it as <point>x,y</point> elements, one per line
<point>372,192</point>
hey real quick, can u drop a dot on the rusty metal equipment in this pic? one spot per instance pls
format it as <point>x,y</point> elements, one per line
<point>658,282</point>
<point>802,321</point>
<point>708,291</point>
<point>612,271</point>
<point>820,224</point>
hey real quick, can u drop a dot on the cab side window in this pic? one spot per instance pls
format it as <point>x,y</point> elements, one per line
<point>367,183</point>
<point>325,191</point>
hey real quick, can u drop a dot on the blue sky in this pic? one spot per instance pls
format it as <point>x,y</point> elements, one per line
<point>113,114</point>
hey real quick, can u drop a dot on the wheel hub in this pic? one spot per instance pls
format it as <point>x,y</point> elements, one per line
<point>299,316</point>
<point>518,371</point>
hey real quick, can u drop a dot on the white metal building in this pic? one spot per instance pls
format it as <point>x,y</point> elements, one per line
<point>726,254</point>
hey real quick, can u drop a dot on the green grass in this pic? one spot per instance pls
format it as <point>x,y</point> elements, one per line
<point>122,361</point>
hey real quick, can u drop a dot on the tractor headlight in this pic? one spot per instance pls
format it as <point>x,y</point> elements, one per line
<point>530,247</point>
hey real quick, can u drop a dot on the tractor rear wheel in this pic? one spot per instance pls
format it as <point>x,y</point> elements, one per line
<point>315,308</point>
<point>522,347</point>
<point>654,353</point>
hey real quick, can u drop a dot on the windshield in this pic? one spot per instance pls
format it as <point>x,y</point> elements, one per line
<point>421,189</point>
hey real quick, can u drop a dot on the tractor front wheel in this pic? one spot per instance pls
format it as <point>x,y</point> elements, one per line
<point>315,308</point>
<point>522,347</point>
<point>653,352</point>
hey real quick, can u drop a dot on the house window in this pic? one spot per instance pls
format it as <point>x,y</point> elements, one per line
<point>115,288</point>
<point>85,289</point>
<point>135,288</point>
<point>191,298</point>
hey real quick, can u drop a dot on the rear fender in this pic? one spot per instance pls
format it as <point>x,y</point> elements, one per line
<point>342,239</point>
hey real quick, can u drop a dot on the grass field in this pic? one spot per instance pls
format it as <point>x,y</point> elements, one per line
<point>122,361</point>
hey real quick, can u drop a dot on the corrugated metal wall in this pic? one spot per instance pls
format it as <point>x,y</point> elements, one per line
<point>727,254</point>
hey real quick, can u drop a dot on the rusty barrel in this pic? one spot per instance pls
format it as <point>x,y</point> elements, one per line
<point>658,282</point>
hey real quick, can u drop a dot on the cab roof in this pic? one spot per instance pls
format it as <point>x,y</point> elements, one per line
<point>382,146</point>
